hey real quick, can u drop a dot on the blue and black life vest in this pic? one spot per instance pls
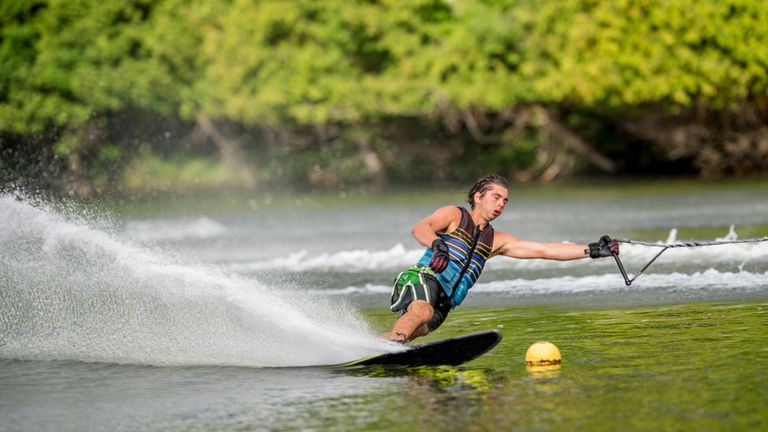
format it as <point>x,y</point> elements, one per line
<point>469,247</point>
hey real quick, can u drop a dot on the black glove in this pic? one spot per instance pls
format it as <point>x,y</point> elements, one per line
<point>439,260</point>
<point>604,247</point>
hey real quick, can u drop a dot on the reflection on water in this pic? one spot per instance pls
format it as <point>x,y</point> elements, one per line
<point>543,372</point>
<point>442,378</point>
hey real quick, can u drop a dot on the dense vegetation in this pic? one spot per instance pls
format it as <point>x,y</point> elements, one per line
<point>169,93</point>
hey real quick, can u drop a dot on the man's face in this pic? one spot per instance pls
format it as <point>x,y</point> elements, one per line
<point>493,201</point>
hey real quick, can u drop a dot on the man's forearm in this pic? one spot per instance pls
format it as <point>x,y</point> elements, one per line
<point>566,251</point>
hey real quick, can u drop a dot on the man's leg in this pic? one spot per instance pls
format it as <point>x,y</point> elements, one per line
<point>413,323</point>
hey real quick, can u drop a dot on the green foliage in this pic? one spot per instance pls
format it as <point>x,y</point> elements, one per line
<point>66,66</point>
<point>619,55</point>
<point>313,62</point>
<point>174,39</point>
<point>19,35</point>
<point>84,58</point>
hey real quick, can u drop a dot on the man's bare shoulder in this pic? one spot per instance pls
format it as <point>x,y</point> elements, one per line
<point>448,210</point>
<point>444,219</point>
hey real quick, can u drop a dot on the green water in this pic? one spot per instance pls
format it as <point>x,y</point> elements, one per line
<point>682,367</point>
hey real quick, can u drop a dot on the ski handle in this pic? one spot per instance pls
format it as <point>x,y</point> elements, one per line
<point>627,279</point>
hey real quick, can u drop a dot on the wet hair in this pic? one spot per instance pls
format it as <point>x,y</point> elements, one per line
<point>483,184</point>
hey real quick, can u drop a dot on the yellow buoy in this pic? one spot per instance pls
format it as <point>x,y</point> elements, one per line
<point>543,354</point>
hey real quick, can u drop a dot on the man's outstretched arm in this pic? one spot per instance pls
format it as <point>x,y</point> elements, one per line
<point>513,247</point>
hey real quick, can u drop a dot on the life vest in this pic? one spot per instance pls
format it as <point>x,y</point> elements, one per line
<point>468,248</point>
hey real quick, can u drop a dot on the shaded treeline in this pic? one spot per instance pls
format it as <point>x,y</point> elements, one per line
<point>136,94</point>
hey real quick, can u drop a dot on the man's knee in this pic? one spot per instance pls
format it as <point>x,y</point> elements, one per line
<point>421,310</point>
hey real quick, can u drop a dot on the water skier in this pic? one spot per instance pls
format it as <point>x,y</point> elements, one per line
<point>458,243</point>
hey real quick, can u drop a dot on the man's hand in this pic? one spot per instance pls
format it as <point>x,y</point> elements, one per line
<point>439,260</point>
<point>604,247</point>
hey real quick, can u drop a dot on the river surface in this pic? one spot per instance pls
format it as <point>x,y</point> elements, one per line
<point>223,317</point>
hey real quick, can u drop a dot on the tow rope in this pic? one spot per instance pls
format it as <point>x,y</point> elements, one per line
<point>664,247</point>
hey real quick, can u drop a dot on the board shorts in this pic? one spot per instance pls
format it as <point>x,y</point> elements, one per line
<point>420,283</point>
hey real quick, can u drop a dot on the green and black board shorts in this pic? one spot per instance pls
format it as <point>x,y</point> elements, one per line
<point>419,283</point>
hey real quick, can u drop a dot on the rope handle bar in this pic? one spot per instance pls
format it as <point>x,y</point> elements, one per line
<point>628,280</point>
